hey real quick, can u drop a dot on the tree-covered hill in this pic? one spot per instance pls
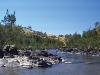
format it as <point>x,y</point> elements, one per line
<point>24,37</point>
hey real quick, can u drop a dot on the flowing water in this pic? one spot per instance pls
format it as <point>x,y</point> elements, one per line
<point>82,65</point>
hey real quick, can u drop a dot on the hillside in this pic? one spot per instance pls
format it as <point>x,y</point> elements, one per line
<point>89,38</point>
<point>25,38</point>
<point>61,38</point>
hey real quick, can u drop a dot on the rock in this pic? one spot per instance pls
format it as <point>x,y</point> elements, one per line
<point>3,62</point>
<point>1,53</point>
<point>13,50</point>
<point>10,50</point>
<point>12,64</point>
<point>6,49</point>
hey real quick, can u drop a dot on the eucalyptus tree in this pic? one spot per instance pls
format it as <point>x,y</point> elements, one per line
<point>9,18</point>
<point>8,23</point>
<point>97,24</point>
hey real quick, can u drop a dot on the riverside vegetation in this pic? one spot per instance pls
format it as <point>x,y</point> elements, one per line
<point>25,37</point>
<point>89,38</point>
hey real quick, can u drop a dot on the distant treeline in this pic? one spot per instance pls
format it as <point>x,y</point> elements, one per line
<point>10,33</point>
<point>88,39</point>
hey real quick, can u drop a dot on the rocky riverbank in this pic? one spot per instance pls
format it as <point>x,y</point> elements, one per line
<point>35,59</point>
<point>11,57</point>
<point>90,51</point>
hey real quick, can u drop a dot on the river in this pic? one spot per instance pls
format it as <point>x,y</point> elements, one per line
<point>80,66</point>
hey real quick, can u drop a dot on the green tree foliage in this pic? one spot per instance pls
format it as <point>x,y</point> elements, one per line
<point>10,33</point>
<point>9,18</point>
<point>96,24</point>
<point>91,38</point>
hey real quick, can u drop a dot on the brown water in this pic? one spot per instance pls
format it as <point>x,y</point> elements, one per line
<point>79,67</point>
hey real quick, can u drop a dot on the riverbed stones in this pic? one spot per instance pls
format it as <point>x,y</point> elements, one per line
<point>10,50</point>
<point>90,51</point>
<point>40,59</point>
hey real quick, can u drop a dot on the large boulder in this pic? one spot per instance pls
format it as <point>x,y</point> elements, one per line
<point>10,49</point>
<point>13,50</point>
<point>1,53</point>
<point>6,49</point>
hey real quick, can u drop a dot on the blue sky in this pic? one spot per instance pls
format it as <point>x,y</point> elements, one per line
<point>54,16</point>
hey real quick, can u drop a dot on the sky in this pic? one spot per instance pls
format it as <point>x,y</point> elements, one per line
<point>57,17</point>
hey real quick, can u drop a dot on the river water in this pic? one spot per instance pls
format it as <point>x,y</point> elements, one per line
<point>80,66</point>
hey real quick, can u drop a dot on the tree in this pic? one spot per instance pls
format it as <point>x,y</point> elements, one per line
<point>96,24</point>
<point>60,35</point>
<point>9,18</point>
<point>29,28</point>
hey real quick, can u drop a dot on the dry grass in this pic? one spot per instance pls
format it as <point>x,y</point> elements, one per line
<point>26,31</point>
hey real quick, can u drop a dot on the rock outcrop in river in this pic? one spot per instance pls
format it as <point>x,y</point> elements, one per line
<point>10,50</point>
<point>11,57</point>
<point>90,51</point>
